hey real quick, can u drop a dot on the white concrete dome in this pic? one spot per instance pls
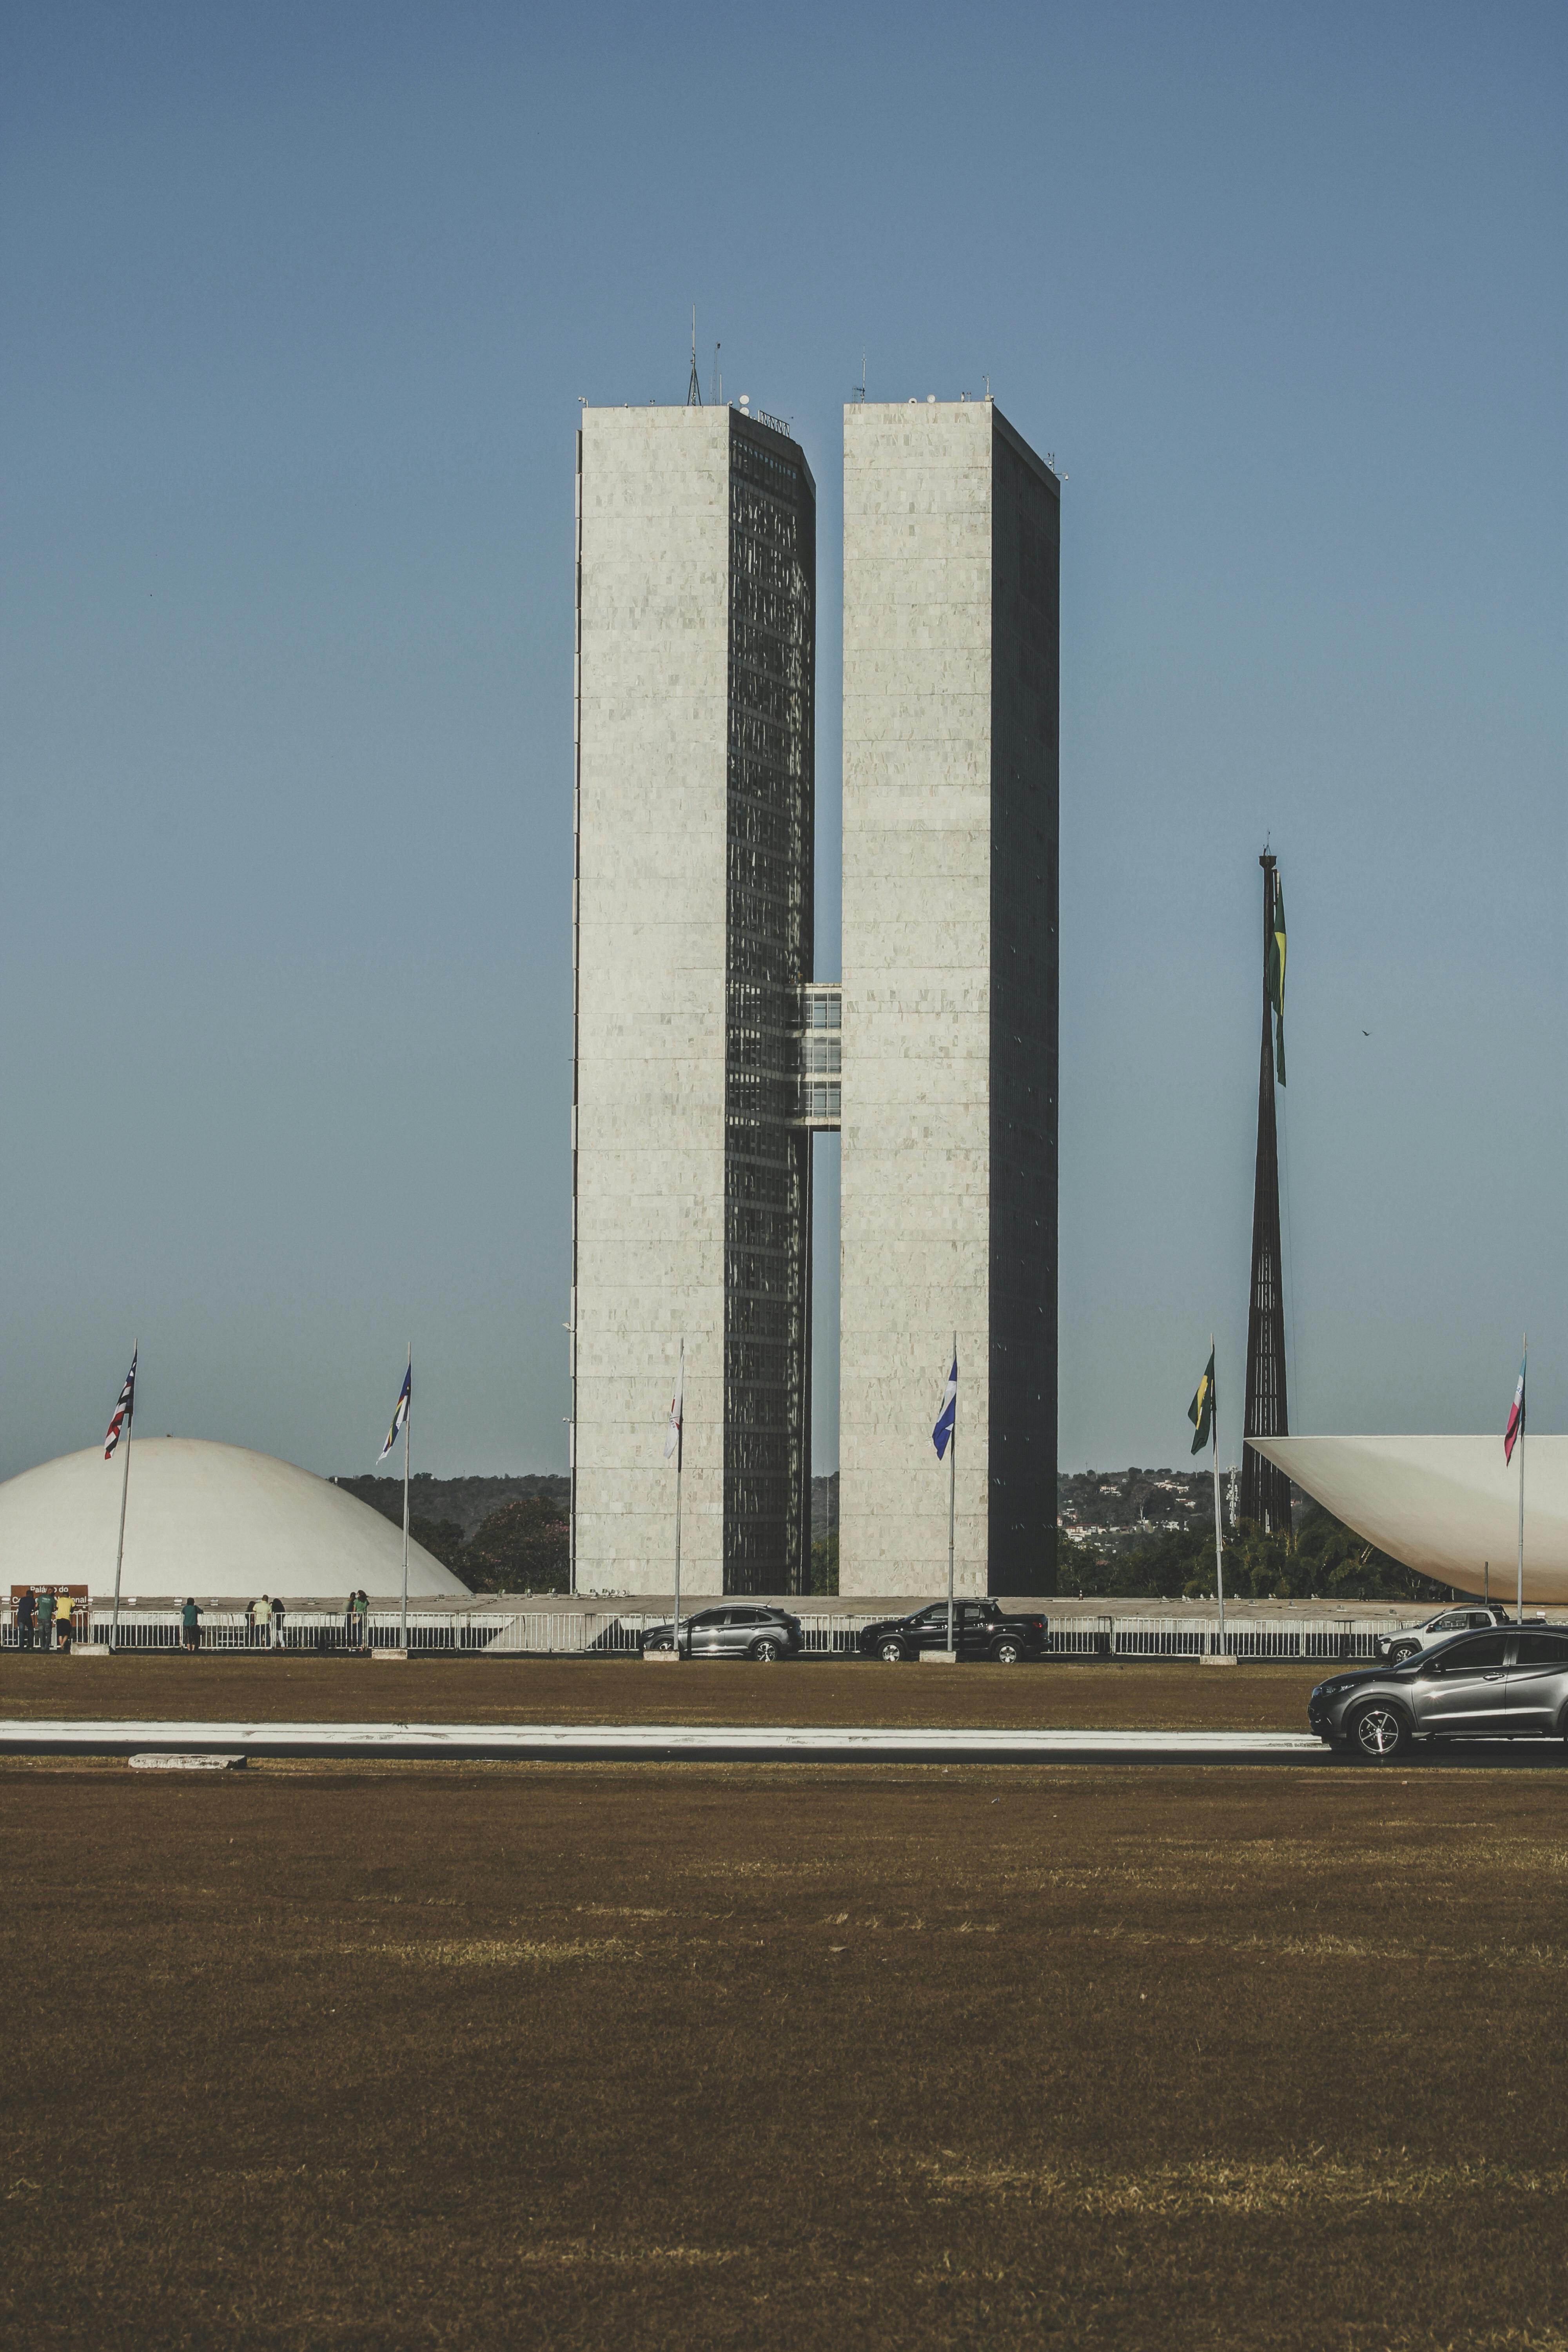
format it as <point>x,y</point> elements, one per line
<point>1446,1505</point>
<point>215,1522</point>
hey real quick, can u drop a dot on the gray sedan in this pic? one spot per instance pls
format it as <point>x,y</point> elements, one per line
<point>1507,1684</point>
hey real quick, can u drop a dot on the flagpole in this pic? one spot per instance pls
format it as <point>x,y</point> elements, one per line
<point>124,1491</point>
<point>1218,1536</point>
<point>1523,1420</point>
<point>408,1431</point>
<point>951,1494</point>
<point>679,1450</point>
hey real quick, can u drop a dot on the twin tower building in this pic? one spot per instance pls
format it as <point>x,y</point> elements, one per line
<point>707,1055</point>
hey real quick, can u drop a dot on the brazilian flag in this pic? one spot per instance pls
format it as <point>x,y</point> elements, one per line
<point>1200,1412</point>
<point>1274,979</point>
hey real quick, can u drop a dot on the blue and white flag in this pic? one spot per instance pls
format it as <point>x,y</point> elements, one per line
<point>401,1415</point>
<point>942,1435</point>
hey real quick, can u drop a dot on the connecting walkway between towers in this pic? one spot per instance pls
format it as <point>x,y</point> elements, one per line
<point>819,1056</point>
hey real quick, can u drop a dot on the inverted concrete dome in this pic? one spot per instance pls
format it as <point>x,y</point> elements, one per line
<point>216,1521</point>
<point>1446,1505</point>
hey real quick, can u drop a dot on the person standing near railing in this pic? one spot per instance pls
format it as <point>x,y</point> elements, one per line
<point>362,1620</point>
<point>261,1622</point>
<point>46,1621</point>
<point>27,1617</point>
<point>191,1619</point>
<point>65,1626</point>
<point>278,1616</point>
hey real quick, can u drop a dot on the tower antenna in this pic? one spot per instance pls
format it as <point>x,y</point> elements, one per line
<point>694,390</point>
<point>718,379</point>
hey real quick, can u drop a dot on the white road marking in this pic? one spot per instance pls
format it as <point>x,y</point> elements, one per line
<point>655,1742</point>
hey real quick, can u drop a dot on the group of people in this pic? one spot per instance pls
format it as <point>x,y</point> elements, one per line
<point>265,1619</point>
<point>44,1621</point>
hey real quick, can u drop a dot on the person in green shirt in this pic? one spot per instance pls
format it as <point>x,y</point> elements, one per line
<point>46,1621</point>
<point>191,1618</point>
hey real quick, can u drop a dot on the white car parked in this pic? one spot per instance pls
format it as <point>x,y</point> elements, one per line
<point>1409,1641</point>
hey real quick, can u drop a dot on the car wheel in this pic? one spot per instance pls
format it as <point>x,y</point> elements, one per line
<point>1007,1651</point>
<point>891,1653</point>
<point>767,1653</point>
<point>1401,1651</point>
<point>1377,1733</point>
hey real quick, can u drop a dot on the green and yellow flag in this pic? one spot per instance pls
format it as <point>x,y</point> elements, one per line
<point>1274,979</point>
<point>1200,1412</point>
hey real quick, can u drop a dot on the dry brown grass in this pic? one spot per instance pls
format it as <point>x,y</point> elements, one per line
<point>234,1687</point>
<point>625,2057</point>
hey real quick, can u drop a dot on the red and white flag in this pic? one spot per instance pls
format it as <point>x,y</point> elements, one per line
<point>1515,1429</point>
<point>122,1411</point>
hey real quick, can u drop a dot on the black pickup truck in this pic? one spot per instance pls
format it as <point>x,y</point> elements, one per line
<point>980,1629</point>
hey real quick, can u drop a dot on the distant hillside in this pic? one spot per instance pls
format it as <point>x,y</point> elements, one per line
<point>1141,1533</point>
<point>499,1535</point>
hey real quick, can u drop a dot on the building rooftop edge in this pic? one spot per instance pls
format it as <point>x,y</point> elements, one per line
<point>765,428</point>
<point>1010,433</point>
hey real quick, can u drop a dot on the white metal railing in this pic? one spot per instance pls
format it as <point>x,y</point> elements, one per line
<point>605,1632</point>
<point>1283,1639</point>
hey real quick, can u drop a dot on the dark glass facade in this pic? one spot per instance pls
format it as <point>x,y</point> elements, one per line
<point>767,1159</point>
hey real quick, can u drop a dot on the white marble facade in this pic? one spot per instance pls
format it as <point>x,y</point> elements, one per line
<point>649,952</point>
<point>943,730</point>
<point>919,958</point>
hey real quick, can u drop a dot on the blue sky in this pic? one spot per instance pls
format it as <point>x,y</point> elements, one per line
<point>300,305</point>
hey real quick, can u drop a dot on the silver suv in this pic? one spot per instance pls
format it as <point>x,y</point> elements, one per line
<point>738,1630</point>
<point>1409,1641</point>
<point>1509,1684</point>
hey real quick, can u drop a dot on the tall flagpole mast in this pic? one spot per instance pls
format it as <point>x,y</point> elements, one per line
<point>952,1492</point>
<point>1218,1536</point>
<point>407,1426</point>
<point>1523,1419</point>
<point>679,1450</point>
<point>124,1491</point>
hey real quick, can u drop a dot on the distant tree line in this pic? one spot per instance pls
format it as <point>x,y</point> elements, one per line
<point>523,1543</point>
<point>514,1535</point>
<point>1326,1561</point>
